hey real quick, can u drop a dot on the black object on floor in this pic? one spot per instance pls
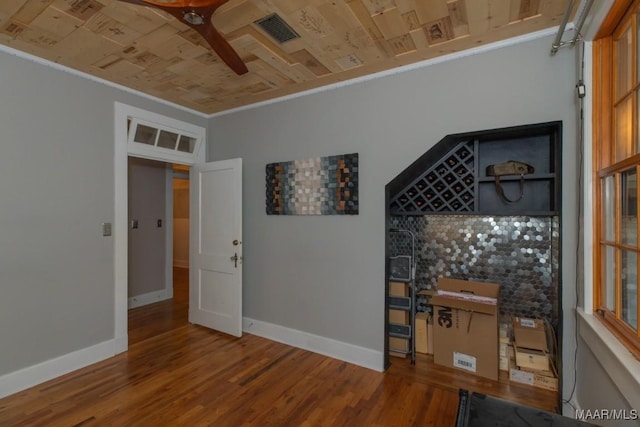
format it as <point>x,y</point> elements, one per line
<point>480,410</point>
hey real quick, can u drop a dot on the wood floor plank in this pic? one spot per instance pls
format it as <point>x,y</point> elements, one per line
<point>178,374</point>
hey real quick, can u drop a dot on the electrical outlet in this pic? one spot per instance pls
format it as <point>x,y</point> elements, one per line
<point>159,223</point>
<point>106,229</point>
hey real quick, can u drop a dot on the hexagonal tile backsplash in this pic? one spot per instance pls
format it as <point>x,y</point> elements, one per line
<point>519,253</point>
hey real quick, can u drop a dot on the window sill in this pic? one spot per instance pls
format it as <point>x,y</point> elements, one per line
<point>615,358</point>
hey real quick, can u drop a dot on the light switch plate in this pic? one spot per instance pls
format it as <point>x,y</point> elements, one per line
<point>106,229</point>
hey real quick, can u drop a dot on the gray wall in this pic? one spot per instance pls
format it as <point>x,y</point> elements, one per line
<point>147,243</point>
<point>56,187</point>
<point>325,275</point>
<point>595,389</point>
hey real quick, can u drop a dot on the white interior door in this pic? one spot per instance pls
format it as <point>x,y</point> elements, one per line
<point>215,283</point>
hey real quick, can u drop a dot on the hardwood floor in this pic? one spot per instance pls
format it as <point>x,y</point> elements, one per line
<point>180,374</point>
<point>154,319</point>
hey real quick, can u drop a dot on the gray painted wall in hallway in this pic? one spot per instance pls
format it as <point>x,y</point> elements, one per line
<point>147,243</point>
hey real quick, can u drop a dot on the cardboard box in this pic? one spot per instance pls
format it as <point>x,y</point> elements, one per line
<point>504,364</point>
<point>547,380</point>
<point>548,383</point>
<point>505,351</point>
<point>551,374</point>
<point>530,333</point>
<point>398,289</point>
<point>430,334</point>
<point>399,316</point>
<point>528,358</point>
<point>421,333</point>
<point>505,333</point>
<point>533,379</point>
<point>465,326</point>
<point>400,345</point>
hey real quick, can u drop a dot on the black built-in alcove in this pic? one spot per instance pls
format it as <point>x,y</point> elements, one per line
<point>464,230</point>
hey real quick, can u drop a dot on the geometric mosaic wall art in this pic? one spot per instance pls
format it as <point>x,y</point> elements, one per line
<point>316,186</point>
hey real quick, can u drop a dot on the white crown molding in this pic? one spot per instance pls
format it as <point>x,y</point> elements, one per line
<point>403,69</point>
<point>418,65</point>
<point>77,73</point>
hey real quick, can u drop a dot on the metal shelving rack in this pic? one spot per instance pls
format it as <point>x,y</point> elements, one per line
<point>405,303</point>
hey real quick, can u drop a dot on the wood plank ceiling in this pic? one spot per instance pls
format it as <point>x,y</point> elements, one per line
<point>150,51</point>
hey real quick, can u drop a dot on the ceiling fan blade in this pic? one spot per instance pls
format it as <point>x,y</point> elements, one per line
<point>139,2</point>
<point>183,4</point>
<point>222,47</point>
<point>197,15</point>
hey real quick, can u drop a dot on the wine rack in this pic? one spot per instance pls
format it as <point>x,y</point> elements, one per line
<point>451,177</point>
<point>447,186</point>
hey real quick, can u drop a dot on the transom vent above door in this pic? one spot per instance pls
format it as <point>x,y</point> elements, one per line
<point>146,138</point>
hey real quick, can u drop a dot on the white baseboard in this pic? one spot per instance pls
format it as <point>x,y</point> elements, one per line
<point>149,298</point>
<point>33,375</point>
<point>121,344</point>
<point>357,355</point>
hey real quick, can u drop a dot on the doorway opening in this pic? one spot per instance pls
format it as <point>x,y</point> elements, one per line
<point>144,135</point>
<point>158,248</point>
<point>215,238</point>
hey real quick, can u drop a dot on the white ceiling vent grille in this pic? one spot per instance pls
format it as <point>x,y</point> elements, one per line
<point>275,26</point>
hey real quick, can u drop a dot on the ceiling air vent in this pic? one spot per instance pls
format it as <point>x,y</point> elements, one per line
<point>275,26</point>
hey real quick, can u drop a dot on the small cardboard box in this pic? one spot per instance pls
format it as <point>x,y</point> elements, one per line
<point>421,333</point>
<point>398,347</point>
<point>532,359</point>
<point>465,326</point>
<point>399,316</point>
<point>534,379</point>
<point>398,289</point>
<point>547,380</point>
<point>505,333</point>
<point>505,352</point>
<point>430,334</point>
<point>504,349</point>
<point>530,333</point>
<point>548,383</point>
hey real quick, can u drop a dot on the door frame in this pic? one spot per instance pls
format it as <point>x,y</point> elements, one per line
<point>122,113</point>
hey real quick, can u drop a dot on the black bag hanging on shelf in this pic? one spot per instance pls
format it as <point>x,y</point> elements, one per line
<point>512,167</point>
